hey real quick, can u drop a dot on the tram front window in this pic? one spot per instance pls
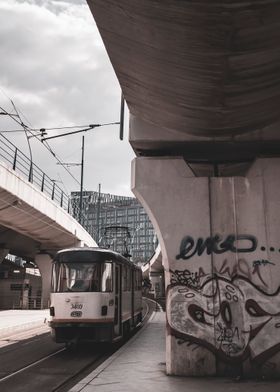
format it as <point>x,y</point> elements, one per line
<point>80,277</point>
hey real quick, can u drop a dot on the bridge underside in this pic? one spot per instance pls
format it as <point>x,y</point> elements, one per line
<point>205,74</point>
<point>31,223</point>
<point>25,231</point>
<point>201,80</point>
<point>18,244</point>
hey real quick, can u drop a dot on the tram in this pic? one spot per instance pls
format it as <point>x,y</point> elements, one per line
<point>96,295</point>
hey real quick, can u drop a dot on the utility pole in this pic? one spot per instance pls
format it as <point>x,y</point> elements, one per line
<point>98,213</point>
<point>82,181</point>
<point>88,128</point>
<point>122,118</point>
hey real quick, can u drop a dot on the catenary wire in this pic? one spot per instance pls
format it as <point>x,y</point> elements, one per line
<point>46,145</point>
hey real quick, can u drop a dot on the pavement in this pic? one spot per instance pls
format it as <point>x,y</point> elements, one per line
<point>139,366</point>
<point>15,321</point>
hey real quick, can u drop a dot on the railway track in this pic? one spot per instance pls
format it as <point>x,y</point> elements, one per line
<point>59,369</point>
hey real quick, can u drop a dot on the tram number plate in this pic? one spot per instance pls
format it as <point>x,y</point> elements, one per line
<point>76,306</point>
<point>76,313</point>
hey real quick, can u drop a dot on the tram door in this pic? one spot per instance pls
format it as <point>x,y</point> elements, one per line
<point>117,320</point>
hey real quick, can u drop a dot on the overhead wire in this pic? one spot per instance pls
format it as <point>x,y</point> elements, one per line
<point>40,130</point>
<point>38,133</point>
<point>46,144</point>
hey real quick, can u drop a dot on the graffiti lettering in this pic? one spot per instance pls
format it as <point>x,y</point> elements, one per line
<point>216,244</point>
<point>186,277</point>
<point>227,338</point>
<point>240,268</point>
<point>258,263</point>
<point>227,334</point>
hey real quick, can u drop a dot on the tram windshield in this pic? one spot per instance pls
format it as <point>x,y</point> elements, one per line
<point>79,277</point>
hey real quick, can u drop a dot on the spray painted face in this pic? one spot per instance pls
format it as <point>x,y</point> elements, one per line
<point>231,318</point>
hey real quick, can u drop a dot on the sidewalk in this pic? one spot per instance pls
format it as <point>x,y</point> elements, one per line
<point>13,321</point>
<point>140,366</point>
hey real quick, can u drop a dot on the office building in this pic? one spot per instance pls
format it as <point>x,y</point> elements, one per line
<point>117,222</point>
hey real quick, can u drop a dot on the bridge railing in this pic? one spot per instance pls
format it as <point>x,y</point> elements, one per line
<point>19,162</point>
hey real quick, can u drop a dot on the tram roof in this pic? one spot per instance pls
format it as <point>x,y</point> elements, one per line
<point>104,251</point>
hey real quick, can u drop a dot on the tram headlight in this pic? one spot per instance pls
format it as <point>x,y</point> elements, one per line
<point>52,311</point>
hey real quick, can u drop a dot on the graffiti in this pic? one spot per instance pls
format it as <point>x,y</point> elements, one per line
<point>191,344</point>
<point>257,270</point>
<point>227,336</point>
<point>186,277</point>
<point>232,318</point>
<point>216,244</point>
<point>258,263</point>
<point>227,269</point>
<point>241,268</point>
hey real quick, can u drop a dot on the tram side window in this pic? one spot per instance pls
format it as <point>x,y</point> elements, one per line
<point>124,278</point>
<point>138,280</point>
<point>135,279</point>
<point>55,274</point>
<point>129,271</point>
<point>106,277</point>
<point>127,278</point>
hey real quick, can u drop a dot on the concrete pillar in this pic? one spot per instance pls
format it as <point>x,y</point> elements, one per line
<point>157,281</point>
<point>220,242</point>
<point>3,253</point>
<point>44,263</point>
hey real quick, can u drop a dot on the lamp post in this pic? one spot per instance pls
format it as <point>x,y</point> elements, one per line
<point>140,226</point>
<point>82,178</point>
<point>91,126</point>
<point>82,181</point>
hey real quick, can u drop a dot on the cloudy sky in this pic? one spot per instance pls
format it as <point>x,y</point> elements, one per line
<point>56,71</point>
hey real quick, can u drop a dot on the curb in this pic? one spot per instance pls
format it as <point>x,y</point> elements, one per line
<point>10,331</point>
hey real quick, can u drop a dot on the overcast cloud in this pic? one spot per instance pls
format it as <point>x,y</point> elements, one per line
<point>56,70</point>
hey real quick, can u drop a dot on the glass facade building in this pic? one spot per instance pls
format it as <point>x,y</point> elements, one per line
<point>116,222</point>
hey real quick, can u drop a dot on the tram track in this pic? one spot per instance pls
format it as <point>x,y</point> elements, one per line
<point>56,372</point>
<point>81,373</point>
<point>30,365</point>
<point>59,370</point>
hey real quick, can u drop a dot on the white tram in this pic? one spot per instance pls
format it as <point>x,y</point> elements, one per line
<point>96,295</point>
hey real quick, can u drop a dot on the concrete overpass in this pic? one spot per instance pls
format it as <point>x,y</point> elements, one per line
<point>201,80</point>
<point>153,270</point>
<point>33,226</point>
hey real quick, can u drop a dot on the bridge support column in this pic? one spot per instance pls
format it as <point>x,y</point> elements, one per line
<point>157,280</point>
<point>220,242</point>
<point>44,263</point>
<point>3,253</point>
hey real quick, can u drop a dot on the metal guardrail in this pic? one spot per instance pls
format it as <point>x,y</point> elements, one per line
<point>19,162</point>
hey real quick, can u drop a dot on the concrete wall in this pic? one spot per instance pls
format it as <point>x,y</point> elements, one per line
<point>220,242</point>
<point>18,288</point>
